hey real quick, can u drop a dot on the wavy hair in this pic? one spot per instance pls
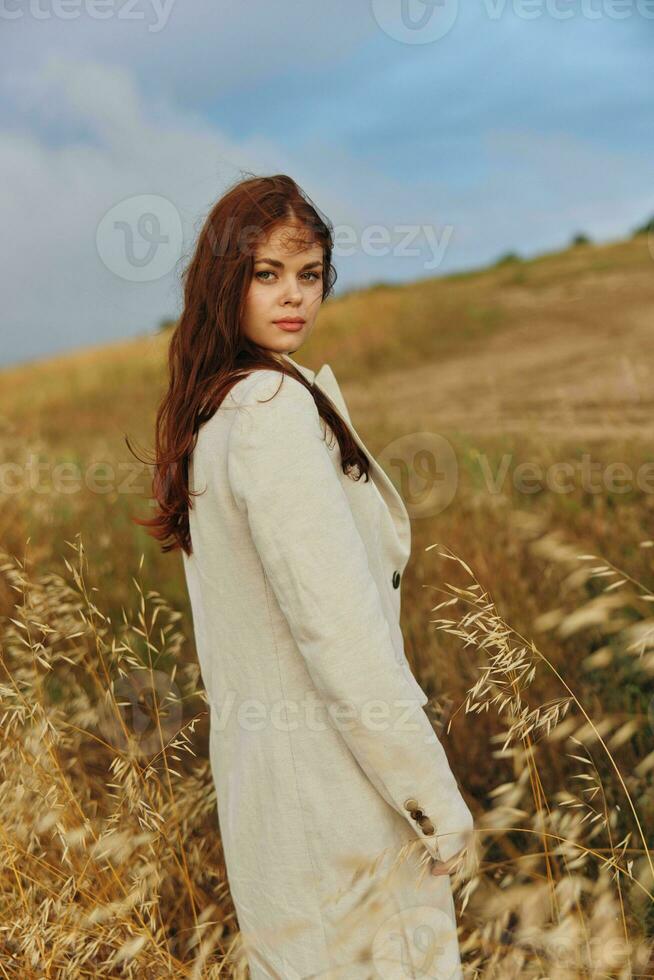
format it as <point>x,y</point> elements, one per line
<point>208,353</point>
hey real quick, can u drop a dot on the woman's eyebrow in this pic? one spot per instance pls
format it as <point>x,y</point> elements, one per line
<point>280,265</point>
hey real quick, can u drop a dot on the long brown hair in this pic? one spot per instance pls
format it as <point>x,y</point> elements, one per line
<point>208,353</point>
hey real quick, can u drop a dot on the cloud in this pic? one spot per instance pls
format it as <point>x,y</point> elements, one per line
<point>57,292</point>
<point>508,137</point>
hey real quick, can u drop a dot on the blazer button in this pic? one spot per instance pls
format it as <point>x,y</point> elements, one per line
<point>396,580</point>
<point>411,804</point>
<point>426,825</point>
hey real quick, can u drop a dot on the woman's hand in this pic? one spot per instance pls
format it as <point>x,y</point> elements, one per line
<point>446,867</point>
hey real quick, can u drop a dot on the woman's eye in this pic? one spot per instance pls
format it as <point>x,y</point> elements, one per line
<point>267,272</point>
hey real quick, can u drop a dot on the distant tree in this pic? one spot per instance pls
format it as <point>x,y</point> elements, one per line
<point>166,323</point>
<point>580,239</point>
<point>508,257</point>
<point>645,229</point>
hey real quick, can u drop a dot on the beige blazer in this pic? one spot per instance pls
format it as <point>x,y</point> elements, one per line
<point>321,752</point>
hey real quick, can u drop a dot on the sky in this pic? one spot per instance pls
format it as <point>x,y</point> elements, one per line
<point>434,136</point>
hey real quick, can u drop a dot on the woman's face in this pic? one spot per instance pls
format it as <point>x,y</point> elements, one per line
<point>286,286</point>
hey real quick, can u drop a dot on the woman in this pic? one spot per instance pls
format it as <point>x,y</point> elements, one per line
<point>333,791</point>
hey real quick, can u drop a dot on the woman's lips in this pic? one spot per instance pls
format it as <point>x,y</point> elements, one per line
<point>291,325</point>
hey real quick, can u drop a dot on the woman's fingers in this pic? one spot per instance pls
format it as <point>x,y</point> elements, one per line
<point>446,867</point>
<point>439,868</point>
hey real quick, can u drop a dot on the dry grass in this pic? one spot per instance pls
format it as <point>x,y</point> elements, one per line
<point>110,866</point>
<point>111,861</point>
<point>541,677</point>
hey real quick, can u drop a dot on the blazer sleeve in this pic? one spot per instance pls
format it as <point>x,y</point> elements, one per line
<point>283,479</point>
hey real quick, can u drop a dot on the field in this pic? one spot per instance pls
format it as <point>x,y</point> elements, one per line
<point>534,382</point>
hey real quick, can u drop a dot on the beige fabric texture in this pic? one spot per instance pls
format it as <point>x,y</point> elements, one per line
<point>323,757</point>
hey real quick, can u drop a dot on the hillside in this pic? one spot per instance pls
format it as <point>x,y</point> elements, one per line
<point>563,341</point>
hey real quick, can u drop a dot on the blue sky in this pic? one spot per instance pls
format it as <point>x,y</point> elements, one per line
<point>462,132</point>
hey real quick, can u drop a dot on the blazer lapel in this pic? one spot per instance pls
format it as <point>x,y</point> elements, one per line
<point>326,381</point>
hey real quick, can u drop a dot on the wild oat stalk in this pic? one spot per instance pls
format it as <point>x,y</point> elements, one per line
<point>561,910</point>
<point>108,868</point>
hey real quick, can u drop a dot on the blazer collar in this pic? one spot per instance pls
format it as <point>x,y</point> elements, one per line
<point>326,381</point>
